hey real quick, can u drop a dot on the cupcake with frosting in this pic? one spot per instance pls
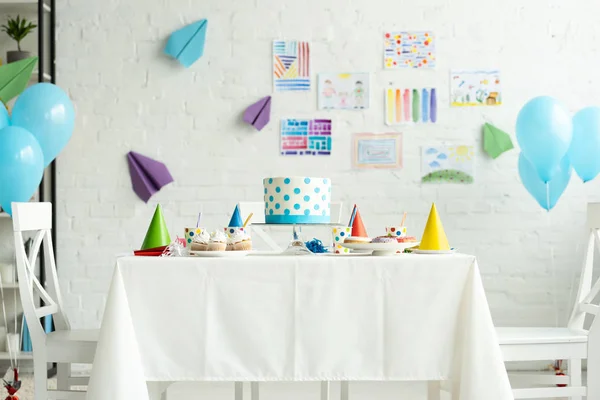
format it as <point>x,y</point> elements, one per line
<point>217,242</point>
<point>200,241</point>
<point>240,240</point>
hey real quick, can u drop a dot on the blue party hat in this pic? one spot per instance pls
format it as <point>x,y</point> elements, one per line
<point>236,218</point>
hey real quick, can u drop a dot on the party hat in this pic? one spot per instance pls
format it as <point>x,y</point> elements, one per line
<point>434,237</point>
<point>358,228</point>
<point>157,234</point>
<point>236,218</point>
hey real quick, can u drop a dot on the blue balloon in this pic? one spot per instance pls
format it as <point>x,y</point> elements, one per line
<point>46,111</point>
<point>546,194</point>
<point>544,132</point>
<point>584,152</point>
<point>4,117</point>
<point>21,166</point>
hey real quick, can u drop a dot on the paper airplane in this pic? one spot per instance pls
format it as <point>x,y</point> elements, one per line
<point>148,176</point>
<point>495,141</point>
<point>186,45</point>
<point>14,78</point>
<point>259,114</point>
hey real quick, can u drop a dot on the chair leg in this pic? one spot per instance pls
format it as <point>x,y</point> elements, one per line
<point>40,376</point>
<point>575,375</point>
<point>433,390</point>
<point>324,390</point>
<point>254,394</point>
<point>344,390</point>
<point>238,391</point>
<point>63,374</point>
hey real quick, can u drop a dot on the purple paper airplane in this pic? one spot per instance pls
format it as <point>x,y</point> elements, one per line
<point>259,113</point>
<point>148,176</point>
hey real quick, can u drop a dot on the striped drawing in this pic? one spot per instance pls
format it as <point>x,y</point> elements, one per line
<point>410,106</point>
<point>291,66</point>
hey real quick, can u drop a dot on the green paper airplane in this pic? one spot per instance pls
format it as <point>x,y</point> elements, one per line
<point>495,141</point>
<point>14,78</point>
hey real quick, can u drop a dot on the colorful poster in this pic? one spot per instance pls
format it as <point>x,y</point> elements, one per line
<point>291,66</point>
<point>451,164</point>
<point>410,106</point>
<point>378,150</point>
<point>409,50</point>
<point>475,88</point>
<point>349,91</point>
<point>305,137</point>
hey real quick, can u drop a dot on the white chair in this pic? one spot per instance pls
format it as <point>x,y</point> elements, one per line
<point>572,343</point>
<point>63,346</point>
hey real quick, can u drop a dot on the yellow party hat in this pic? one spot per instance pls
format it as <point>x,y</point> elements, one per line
<point>434,237</point>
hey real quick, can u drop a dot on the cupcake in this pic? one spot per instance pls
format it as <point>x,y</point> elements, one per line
<point>407,239</point>
<point>218,242</point>
<point>240,240</point>
<point>200,241</point>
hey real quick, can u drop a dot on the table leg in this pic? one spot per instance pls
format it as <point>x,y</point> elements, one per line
<point>158,390</point>
<point>238,391</point>
<point>254,391</point>
<point>433,390</point>
<point>344,390</point>
<point>325,390</point>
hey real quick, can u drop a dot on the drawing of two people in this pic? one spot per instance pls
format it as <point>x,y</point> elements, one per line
<point>329,96</point>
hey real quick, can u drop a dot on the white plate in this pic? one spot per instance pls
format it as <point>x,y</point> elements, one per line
<point>235,253</point>
<point>418,251</point>
<point>381,249</point>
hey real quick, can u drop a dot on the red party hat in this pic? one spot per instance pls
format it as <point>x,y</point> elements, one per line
<point>358,228</point>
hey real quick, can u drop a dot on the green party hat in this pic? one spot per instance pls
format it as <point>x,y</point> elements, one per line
<point>158,234</point>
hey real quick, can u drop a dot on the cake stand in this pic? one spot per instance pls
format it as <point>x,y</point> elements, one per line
<point>296,246</point>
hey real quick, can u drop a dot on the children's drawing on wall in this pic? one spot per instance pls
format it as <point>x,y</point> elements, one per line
<point>378,150</point>
<point>408,106</point>
<point>450,164</point>
<point>291,66</point>
<point>409,50</point>
<point>347,91</point>
<point>305,137</point>
<point>475,88</point>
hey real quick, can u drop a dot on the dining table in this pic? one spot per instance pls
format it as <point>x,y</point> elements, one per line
<point>275,318</point>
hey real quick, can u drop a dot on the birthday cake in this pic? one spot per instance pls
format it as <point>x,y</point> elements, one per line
<point>297,200</point>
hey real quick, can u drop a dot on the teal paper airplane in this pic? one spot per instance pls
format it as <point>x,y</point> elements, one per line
<point>186,45</point>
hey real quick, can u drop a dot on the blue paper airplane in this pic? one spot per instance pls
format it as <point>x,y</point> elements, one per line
<point>186,45</point>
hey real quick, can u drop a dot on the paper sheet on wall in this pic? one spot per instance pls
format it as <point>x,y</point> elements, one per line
<point>305,137</point>
<point>450,164</point>
<point>475,88</point>
<point>345,91</point>
<point>408,106</point>
<point>409,50</point>
<point>291,66</point>
<point>378,150</point>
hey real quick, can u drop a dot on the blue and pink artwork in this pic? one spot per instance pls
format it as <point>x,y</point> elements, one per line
<point>306,137</point>
<point>410,106</point>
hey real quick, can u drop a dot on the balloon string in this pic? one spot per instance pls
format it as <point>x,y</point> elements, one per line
<point>547,196</point>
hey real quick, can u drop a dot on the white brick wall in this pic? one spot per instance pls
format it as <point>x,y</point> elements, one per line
<point>129,96</point>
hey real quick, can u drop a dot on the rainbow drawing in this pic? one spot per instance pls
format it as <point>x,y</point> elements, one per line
<point>410,106</point>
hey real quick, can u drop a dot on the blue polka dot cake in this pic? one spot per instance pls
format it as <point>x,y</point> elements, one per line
<point>297,200</point>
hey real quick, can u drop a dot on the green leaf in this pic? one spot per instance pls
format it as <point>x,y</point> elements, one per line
<point>14,78</point>
<point>495,141</point>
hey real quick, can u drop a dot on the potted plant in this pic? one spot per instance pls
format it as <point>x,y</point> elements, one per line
<point>18,29</point>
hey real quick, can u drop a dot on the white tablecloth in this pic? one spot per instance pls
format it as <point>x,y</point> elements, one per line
<point>319,318</point>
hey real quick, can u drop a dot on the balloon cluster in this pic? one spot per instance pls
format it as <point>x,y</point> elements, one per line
<point>552,143</point>
<point>40,126</point>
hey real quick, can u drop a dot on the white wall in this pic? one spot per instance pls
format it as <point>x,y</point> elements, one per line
<point>129,96</point>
